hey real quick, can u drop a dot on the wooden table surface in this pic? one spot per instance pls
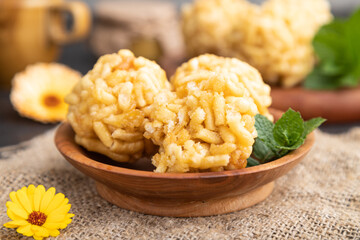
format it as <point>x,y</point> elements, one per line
<point>15,129</point>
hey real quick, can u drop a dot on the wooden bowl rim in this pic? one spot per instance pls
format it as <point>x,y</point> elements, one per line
<point>71,151</point>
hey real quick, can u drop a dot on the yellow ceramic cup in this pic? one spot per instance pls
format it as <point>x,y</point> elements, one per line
<point>33,30</point>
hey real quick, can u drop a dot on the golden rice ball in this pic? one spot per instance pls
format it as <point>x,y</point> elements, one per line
<point>201,132</point>
<point>208,123</point>
<point>39,91</point>
<point>228,76</point>
<point>107,106</point>
<point>207,25</point>
<point>275,37</point>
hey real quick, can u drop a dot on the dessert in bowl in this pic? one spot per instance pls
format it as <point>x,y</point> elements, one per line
<point>136,187</point>
<point>172,150</point>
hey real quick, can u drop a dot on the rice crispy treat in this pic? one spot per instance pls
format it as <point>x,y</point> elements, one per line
<point>229,76</point>
<point>107,106</point>
<point>274,37</point>
<point>207,25</point>
<point>208,123</point>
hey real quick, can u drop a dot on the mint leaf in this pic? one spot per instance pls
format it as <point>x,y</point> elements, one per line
<point>262,152</point>
<point>288,129</point>
<point>328,43</point>
<point>311,125</point>
<point>264,128</point>
<point>252,162</point>
<point>317,80</point>
<point>337,47</point>
<point>294,146</point>
<point>276,140</point>
<point>352,39</point>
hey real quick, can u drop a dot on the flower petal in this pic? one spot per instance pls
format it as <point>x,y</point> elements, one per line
<point>55,218</point>
<point>40,231</point>
<point>68,221</point>
<point>14,198</point>
<point>25,230</point>
<point>48,196</point>
<point>7,225</point>
<point>63,225</point>
<point>61,210</point>
<point>30,194</point>
<point>13,216</point>
<point>68,218</point>
<point>53,232</point>
<point>51,225</point>
<point>37,237</point>
<point>24,200</point>
<point>58,220</point>
<point>18,210</point>
<point>65,201</point>
<point>15,224</point>
<point>55,203</point>
<point>38,194</point>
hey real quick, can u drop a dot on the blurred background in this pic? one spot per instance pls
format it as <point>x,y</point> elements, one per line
<point>339,7</point>
<point>79,44</point>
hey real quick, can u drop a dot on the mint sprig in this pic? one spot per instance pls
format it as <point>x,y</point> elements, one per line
<point>277,140</point>
<point>337,47</point>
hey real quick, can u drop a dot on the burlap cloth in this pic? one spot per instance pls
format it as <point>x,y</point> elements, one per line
<point>318,199</point>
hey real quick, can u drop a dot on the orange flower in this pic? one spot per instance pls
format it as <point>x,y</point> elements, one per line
<point>39,91</point>
<point>38,213</point>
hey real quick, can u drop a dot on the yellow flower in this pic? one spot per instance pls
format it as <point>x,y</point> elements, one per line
<point>38,213</point>
<point>38,92</point>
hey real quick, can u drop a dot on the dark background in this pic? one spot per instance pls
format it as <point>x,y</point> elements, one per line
<point>15,129</point>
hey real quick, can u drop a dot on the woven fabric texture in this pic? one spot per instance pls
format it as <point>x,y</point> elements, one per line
<point>318,199</point>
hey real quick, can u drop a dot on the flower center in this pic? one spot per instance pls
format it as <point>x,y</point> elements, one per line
<point>37,218</point>
<point>51,101</point>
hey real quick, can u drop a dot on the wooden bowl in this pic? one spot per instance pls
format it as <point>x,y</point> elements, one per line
<point>136,187</point>
<point>338,106</point>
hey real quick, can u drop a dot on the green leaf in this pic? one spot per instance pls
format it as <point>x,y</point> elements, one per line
<point>329,42</point>
<point>262,152</point>
<point>337,47</point>
<point>294,146</point>
<point>276,140</point>
<point>317,80</point>
<point>349,80</point>
<point>329,68</point>
<point>264,128</point>
<point>252,162</point>
<point>288,129</point>
<point>352,37</point>
<point>311,125</point>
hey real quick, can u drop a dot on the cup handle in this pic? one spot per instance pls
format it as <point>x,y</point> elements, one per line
<point>81,22</point>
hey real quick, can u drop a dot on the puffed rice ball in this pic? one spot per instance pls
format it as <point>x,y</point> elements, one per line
<point>208,123</point>
<point>229,76</point>
<point>277,39</point>
<point>207,25</point>
<point>274,37</point>
<point>107,106</point>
